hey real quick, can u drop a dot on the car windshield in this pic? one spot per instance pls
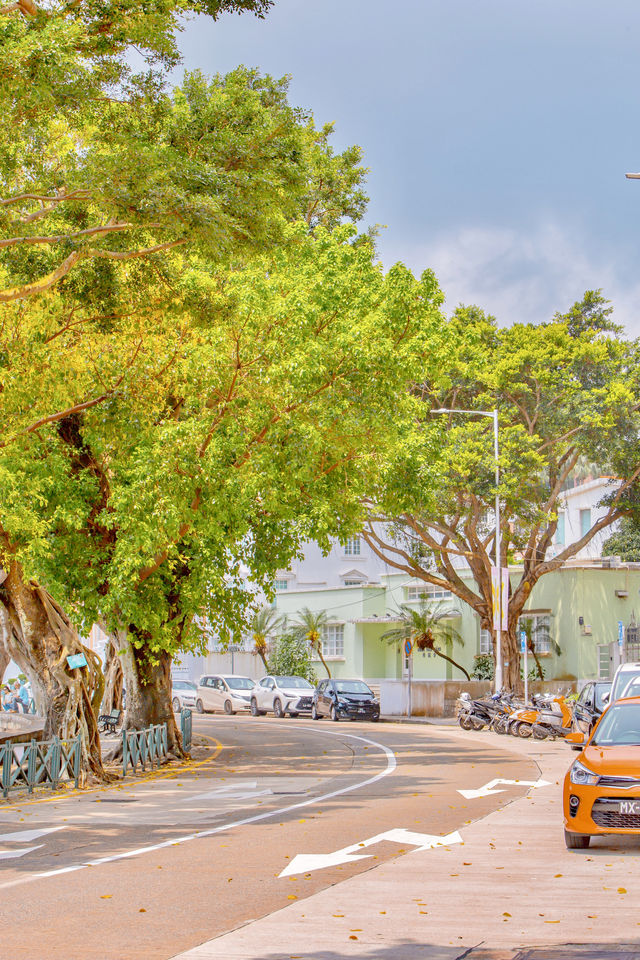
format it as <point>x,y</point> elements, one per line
<point>239,683</point>
<point>295,682</point>
<point>622,680</point>
<point>184,685</point>
<point>620,724</point>
<point>352,686</point>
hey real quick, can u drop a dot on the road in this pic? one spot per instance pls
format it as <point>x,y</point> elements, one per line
<point>150,870</point>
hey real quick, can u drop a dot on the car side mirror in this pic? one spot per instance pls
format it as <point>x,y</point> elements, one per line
<point>605,697</point>
<point>576,740</point>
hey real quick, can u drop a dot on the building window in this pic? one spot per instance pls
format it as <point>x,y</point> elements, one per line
<point>585,521</point>
<point>540,630</point>
<point>353,583</point>
<point>560,529</point>
<point>352,547</point>
<point>281,584</point>
<point>333,640</point>
<point>486,646</point>
<point>428,591</point>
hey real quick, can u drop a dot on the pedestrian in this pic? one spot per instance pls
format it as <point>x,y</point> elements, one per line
<point>5,698</point>
<point>23,693</point>
<point>18,705</point>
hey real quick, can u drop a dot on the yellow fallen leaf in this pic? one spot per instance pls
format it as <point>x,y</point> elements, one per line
<point>292,896</point>
<point>622,890</point>
<point>106,896</point>
<point>506,914</point>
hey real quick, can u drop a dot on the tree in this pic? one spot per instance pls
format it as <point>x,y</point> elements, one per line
<point>291,656</point>
<point>309,626</point>
<point>625,542</point>
<point>427,628</point>
<point>264,624</point>
<point>107,174</point>
<point>536,631</point>
<point>565,390</point>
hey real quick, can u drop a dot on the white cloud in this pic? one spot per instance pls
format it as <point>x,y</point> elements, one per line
<point>524,276</point>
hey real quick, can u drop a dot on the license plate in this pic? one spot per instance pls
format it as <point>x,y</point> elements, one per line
<point>629,806</point>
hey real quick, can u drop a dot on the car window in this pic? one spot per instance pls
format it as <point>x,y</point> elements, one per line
<point>265,682</point>
<point>321,686</point>
<point>622,680</point>
<point>620,725</point>
<point>352,686</point>
<point>297,683</point>
<point>239,683</point>
<point>600,690</point>
<point>586,697</point>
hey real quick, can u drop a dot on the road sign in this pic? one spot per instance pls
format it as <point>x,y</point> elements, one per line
<point>77,660</point>
<point>523,641</point>
<point>620,632</point>
<point>408,647</point>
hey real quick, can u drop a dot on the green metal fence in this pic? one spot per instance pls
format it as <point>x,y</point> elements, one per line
<point>44,761</point>
<point>140,747</point>
<point>185,729</point>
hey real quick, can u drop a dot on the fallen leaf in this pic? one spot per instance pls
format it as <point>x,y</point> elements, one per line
<point>106,896</point>
<point>506,914</point>
<point>292,896</point>
<point>622,890</point>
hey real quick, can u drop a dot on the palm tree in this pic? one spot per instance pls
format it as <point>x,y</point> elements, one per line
<point>426,627</point>
<point>264,624</point>
<point>310,626</point>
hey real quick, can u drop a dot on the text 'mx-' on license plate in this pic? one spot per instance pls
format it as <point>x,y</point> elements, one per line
<point>629,806</point>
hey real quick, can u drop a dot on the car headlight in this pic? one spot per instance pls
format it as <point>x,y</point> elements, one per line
<point>582,775</point>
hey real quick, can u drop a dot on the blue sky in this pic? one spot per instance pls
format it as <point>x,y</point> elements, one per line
<point>497,133</point>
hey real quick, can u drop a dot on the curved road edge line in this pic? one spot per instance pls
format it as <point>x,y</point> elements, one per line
<point>391,766</point>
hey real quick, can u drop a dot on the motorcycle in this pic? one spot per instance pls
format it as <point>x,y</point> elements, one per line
<point>547,717</point>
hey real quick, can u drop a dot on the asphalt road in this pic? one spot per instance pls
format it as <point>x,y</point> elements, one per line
<point>149,870</point>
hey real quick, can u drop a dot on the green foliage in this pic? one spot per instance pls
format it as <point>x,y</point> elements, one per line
<point>625,542</point>
<point>291,656</point>
<point>483,667</point>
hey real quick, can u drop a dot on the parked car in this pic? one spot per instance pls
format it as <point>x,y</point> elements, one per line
<point>281,695</point>
<point>223,691</point>
<point>350,699</point>
<point>590,705</point>
<point>623,676</point>
<point>602,787</point>
<point>183,694</point>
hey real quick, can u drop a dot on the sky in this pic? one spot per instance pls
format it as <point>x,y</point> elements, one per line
<point>497,134</point>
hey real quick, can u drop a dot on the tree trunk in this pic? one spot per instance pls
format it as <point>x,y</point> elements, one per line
<point>4,659</point>
<point>511,677</point>
<point>444,656</point>
<point>40,637</point>
<point>113,675</point>
<point>147,680</point>
<point>322,659</point>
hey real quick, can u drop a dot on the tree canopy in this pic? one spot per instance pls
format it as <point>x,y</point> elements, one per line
<point>564,390</point>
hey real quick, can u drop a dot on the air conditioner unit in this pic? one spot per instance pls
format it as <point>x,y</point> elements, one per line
<point>622,594</point>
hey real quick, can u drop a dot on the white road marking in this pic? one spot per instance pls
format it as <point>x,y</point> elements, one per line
<point>391,766</point>
<point>306,862</point>
<point>488,788</point>
<point>241,790</point>
<point>26,836</point>
<point>14,854</point>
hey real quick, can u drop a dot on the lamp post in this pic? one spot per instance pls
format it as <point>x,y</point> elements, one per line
<point>496,453</point>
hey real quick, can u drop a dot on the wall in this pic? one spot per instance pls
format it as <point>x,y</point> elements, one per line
<point>438,698</point>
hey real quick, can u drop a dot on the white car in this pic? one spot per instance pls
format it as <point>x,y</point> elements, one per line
<point>625,681</point>
<point>223,691</point>
<point>183,694</point>
<point>281,695</point>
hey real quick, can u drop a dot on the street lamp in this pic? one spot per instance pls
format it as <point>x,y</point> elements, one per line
<point>498,619</point>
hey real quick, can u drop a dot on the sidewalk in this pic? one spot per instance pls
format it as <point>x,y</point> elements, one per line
<point>511,884</point>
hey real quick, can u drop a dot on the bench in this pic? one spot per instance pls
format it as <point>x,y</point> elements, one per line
<point>109,721</point>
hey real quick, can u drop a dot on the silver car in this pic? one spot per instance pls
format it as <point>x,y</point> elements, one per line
<point>282,695</point>
<point>223,691</point>
<point>183,694</point>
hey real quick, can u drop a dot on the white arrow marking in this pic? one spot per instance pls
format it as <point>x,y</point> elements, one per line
<point>488,788</point>
<point>306,862</point>
<point>12,854</point>
<point>26,836</point>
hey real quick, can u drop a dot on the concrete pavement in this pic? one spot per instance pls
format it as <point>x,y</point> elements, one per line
<point>510,889</point>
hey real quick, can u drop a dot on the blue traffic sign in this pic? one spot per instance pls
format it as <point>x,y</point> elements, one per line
<point>408,647</point>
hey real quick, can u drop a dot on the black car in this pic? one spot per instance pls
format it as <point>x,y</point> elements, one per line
<point>590,705</point>
<point>349,699</point>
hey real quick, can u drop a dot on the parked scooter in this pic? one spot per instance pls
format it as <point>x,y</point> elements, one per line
<point>472,714</point>
<point>546,717</point>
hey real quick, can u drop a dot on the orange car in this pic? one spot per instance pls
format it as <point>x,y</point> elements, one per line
<point>602,786</point>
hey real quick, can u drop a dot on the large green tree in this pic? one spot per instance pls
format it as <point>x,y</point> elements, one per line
<point>565,390</point>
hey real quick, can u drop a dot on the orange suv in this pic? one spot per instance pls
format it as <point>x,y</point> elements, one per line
<point>602,786</point>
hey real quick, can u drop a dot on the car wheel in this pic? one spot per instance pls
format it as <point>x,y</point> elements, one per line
<point>199,706</point>
<point>175,703</point>
<point>576,841</point>
<point>254,708</point>
<point>314,713</point>
<point>277,709</point>
<point>375,719</point>
<point>228,709</point>
<point>334,713</point>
